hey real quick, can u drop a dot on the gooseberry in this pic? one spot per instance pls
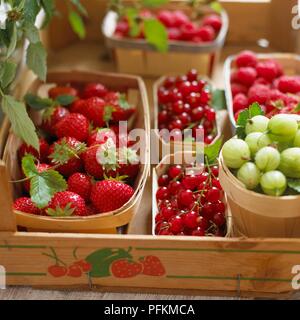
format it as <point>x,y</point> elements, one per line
<point>273,183</point>
<point>249,174</point>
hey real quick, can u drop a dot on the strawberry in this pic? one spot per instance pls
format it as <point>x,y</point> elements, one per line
<point>110,195</point>
<point>62,90</point>
<point>79,106</point>
<point>121,114</point>
<point>91,210</point>
<point>94,90</point>
<point>152,266</point>
<point>246,59</point>
<point>25,204</point>
<point>40,168</point>
<point>214,21</point>
<point>66,203</point>
<point>74,125</point>
<point>74,164</point>
<point>81,184</point>
<point>96,111</point>
<point>124,268</point>
<point>41,156</point>
<point>100,136</point>
<point>128,163</point>
<point>91,165</point>
<point>51,116</point>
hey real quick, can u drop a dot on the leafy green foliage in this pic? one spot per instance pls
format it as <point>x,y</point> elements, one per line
<point>156,34</point>
<point>79,7</point>
<point>77,24</point>
<point>132,16</point>
<point>31,32</point>
<point>7,73</point>
<point>294,184</point>
<point>211,152</point>
<point>244,116</point>
<point>67,211</point>
<point>21,124</point>
<point>13,41</point>
<point>64,99</point>
<point>36,59</point>
<point>154,3</point>
<point>36,102</point>
<point>43,185</point>
<point>123,103</point>
<point>216,6</point>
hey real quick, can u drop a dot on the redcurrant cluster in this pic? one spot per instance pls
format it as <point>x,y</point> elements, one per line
<point>190,205</point>
<point>184,103</point>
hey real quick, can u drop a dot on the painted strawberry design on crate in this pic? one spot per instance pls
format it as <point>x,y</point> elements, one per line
<point>106,262</point>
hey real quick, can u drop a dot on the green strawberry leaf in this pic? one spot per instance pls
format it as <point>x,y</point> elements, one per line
<point>245,116</point>
<point>38,103</point>
<point>63,152</point>
<point>212,151</point>
<point>132,17</point>
<point>49,8</point>
<point>123,103</point>
<point>218,99</point>
<point>13,41</point>
<point>294,184</point>
<point>77,24</point>
<point>216,6</point>
<point>44,185</point>
<point>30,10</point>
<point>21,124</point>
<point>108,111</point>
<point>31,32</point>
<point>154,3</point>
<point>7,73</point>
<point>102,259</point>
<point>65,99</point>
<point>28,166</point>
<point>67,211</point>
<point>156,34</point>
<point>36,59</point>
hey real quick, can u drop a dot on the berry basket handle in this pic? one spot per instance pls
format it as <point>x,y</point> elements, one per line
<point>7,215</point>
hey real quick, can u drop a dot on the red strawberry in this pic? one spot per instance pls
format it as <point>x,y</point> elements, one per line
<point>79,106</point>
<point>25,204</point>
<point>74,164</point>
<point>109,195</point>
<point>124,268</point>
<point>100,136</point>
<point>62,90</point>
<point>152,266</point>
<point>214,21</point>
<point>42,156</point>
<point>91,165</point>
<point>57,271</point>
<point>246,59</point>
<point>94,90</point>
<point>81,184</point>
<point>128,163</point>
<point>66,203</point>
<point>51,117</point>
<point>74,125</point>
<point>120,114</point>
<point>96,111</point>
<point>91,210</point>
<point>40,168</point>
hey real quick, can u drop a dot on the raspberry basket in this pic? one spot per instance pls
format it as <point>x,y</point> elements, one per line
<point>137,57</point>
<point>173,146</point>
<point>103,223</point>
<point>290,63</point>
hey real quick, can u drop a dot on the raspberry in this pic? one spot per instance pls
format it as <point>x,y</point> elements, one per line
<point>237,88</point>
<point>174,34</point>
<point>233,77</point>
<point>276,95</point>
<point>213,21</point>
<point>258,93</point>
<point>240,102</point>
<point>289,84</point>
<point>267,70</point>
<point>246,59</point>
<point>246,75</point>
<point>206,33</point>
<point>261,81</point>
<point>166,18</point>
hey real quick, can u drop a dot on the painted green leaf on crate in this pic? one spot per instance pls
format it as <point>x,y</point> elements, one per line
<point>102,259</point>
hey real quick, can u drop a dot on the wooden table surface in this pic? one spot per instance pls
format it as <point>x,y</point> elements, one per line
<point>92,56</point>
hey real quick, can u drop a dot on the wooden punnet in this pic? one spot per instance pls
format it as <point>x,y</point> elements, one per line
<point>107,222</point>
<point>138,57</point>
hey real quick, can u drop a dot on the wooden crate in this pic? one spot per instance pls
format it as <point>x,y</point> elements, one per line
<point>137,57</point>
<point>100,223</point>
